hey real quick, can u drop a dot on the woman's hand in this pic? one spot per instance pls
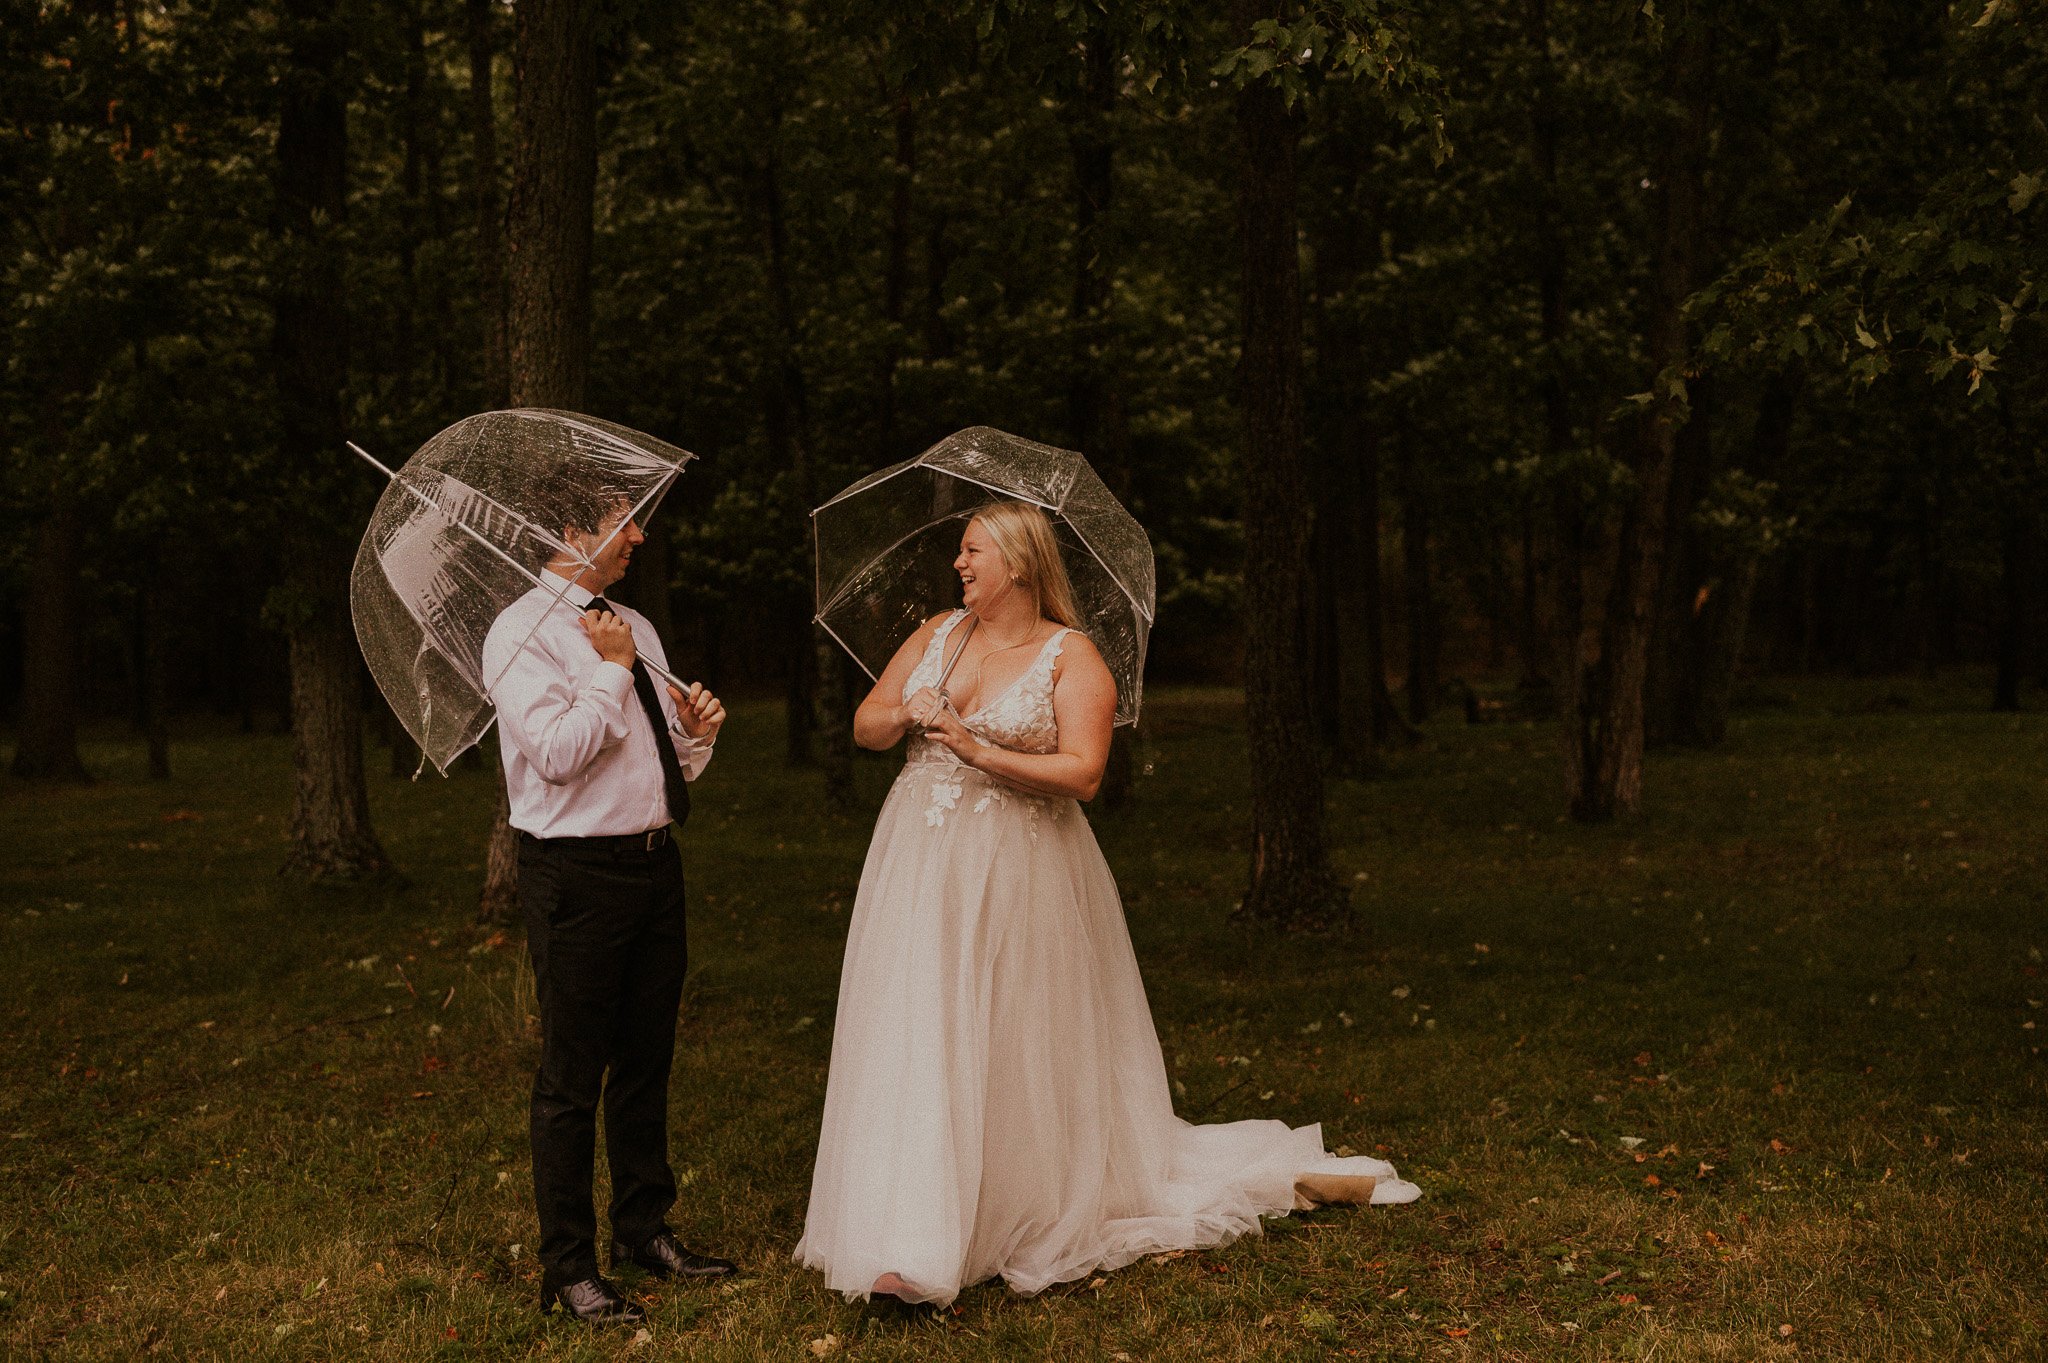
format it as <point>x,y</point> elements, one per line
<point>945,728</point>
<point>923,705</point>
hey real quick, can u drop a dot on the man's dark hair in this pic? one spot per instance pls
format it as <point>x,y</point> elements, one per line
<point>566,497</point>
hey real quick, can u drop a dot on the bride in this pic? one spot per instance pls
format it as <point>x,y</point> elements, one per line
<point>997,1102</point>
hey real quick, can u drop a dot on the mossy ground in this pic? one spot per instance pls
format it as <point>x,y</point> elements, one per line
<point>1757,1075</point>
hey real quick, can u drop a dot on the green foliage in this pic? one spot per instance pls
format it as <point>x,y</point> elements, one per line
<point>1365,40</point>
<point>1874,194</point>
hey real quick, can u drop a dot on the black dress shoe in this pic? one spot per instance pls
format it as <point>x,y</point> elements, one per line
<point>594,1302</point>
<point>663,1257</point>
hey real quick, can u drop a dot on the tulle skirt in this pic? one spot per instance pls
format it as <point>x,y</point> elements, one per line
<point>997,1102</point>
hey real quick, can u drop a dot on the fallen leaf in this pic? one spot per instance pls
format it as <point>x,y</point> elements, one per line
<point>1784,1332</point>
<point>1627,1299</point>
<point>1779,1147</point>
<point>1610,1277</point>
<point>825,1345</point>
<point>1458,1333</point>
<point>1652,1181</point>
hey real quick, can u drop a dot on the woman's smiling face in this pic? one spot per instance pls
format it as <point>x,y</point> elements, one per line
<point>983,570</point>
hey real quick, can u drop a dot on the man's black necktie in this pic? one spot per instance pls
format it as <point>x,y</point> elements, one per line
<point>676,788</point>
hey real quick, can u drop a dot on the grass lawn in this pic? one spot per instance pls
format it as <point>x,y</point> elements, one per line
<point>1757,1076</point>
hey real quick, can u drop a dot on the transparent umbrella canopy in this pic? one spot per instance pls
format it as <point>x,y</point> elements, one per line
<point>463,531</point>
<point>885,548</point>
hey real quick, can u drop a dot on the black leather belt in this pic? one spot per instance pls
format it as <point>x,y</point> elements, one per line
<point>653,840</point>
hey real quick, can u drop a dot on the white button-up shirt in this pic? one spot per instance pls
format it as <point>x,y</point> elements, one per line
<point>580,760</point>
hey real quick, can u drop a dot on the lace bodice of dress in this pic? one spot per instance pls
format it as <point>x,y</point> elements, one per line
<point>1020,717</point>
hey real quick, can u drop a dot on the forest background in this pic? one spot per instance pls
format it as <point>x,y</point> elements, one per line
<point>1587,361</point>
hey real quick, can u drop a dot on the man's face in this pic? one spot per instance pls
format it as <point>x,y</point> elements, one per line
<point>609,563</point>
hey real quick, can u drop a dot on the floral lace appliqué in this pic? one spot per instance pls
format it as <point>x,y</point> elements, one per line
<point>945,796</point>
<point>1020,719</point>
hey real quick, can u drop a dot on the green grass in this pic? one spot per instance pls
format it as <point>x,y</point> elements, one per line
<point>1767,1057</point>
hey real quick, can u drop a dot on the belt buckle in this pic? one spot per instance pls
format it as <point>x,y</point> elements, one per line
<point>653,839</point>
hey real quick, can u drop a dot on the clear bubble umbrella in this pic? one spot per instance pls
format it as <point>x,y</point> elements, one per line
<point>885,548</point>
<point>463,531</point>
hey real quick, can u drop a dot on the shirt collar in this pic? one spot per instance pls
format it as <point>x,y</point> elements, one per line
<point>577,595</point>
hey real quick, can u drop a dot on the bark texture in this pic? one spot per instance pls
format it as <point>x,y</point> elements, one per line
<point>486,196</point>
<point>1095,410</point>
<point>1291,884</point>
<point>331,835</point>
<point>547,267</point>
<point>1602,691</point>
<point>47,746</point>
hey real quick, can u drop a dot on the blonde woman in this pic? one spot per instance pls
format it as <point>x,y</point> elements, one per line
<point>997,1103</point>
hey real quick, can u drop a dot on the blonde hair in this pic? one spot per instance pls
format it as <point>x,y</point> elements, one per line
<point>1023,535</point>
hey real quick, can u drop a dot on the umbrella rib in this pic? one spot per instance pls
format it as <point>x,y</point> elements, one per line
<point>872,559</point>
<point>999,491</point>
<point>1110,573</point>
<point>874,479</point>
<point>819,620</point>
<point>571,419</point>
<point>530,575</point>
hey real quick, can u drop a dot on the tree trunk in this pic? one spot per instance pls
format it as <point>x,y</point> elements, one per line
<point>1291,884</point>
<point>1603,692</point>
<point>1538,660</point>
<point>47,740</point>
<point>1720,620</point>
<point>896,263</point>
<point>1356,714</point>
<point>1419,591</point>
<point>554,176</point>
<point>411,216</point>
<point>547,264</point>
<point>485,194</point>
<point>156,717</point>
<point>1387,724</point>
<point>1689,569</point>
<point>835,721</point>
<point>1095,411</point>
<point>814,699</point>
<point>331,834</point>
<point>330,821</point>
<point>2017,538</point>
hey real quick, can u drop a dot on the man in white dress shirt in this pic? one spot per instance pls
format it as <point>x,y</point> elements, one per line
<point>597,764</point>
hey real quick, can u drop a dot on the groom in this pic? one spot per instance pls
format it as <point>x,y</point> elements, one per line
<point>598,761</point>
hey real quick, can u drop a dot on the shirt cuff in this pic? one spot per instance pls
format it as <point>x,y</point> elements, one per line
<point>614,679</point>
<point>675,728</point>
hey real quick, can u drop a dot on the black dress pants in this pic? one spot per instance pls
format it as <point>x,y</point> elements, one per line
<point>604,926</point>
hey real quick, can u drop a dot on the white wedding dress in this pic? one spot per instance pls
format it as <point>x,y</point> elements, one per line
<point>998,1103</point>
